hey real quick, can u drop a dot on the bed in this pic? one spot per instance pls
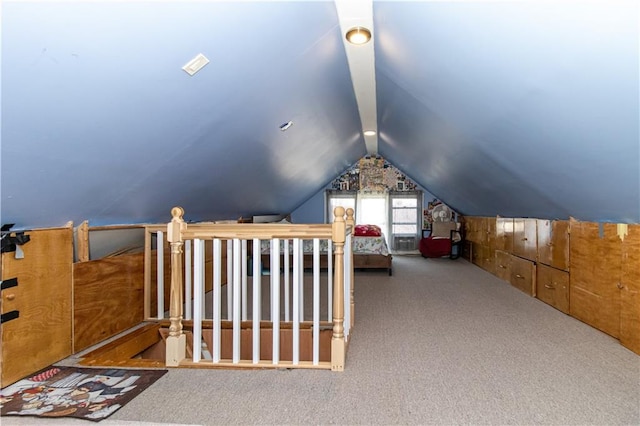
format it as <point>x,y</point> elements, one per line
<point>370,250</point>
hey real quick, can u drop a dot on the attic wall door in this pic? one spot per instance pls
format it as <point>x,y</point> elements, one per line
<point>630,291</point>
<point>41,334</point>
<point>596,268</point>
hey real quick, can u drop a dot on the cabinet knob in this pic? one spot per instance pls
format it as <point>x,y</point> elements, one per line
<point>549,286</point>
<point>10,296</point>
<point>524,239</point>
<point>519,276</point>
<point>620,286</point>
<point>502,266</point>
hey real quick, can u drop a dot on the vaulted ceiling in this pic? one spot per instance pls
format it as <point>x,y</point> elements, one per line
<point>523,108</point>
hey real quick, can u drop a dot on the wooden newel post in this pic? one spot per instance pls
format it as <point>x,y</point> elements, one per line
<point>337,341</point>
<point>351,222</point>
<point>176,341</point>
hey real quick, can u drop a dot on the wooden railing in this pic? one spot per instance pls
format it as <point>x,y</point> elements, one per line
<point>286,338</point>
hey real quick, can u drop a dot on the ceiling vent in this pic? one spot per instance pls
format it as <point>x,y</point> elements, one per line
<point>196,64</point>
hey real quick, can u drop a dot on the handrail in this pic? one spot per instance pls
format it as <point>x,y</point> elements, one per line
<point>178,232</point>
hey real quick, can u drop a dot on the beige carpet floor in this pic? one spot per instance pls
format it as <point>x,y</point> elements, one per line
<point>440,342</point>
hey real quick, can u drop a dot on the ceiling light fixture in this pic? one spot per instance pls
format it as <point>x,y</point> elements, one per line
<point>369,132</point>
<point>358,35</point>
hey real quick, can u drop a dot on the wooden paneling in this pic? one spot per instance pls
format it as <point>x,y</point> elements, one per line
<point>595,259</point>
<point>630,292</point>
<point>474,229</point>
<point>504,234</point>
<point>108,298</point>
<point>41,335</point>
<point>525,238</point>
<point>467,250</point>
<point>553,243</point>
<point>553,287</point>
<point>477,254</point>
<point>503,265</point>
<point>523,275</point>
<point>266,344</point>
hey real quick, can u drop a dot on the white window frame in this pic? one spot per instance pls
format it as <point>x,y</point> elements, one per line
<point>418,196</point>
<point>333,195</point>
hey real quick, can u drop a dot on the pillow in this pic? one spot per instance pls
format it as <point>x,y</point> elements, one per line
<point>367,231</point>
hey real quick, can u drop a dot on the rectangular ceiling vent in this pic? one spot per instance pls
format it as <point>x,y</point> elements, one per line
<point>196,64</point>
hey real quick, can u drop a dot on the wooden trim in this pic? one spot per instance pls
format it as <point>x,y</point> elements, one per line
<point>248,364</point>
<point>115,227</point>
<point>147,274</point>
<point>127,346</point>
<point>256,230</point>
<point>208,324</point>
<point>83,241</point>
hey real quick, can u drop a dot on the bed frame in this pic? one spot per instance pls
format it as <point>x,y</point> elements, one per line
<point>360,261</point>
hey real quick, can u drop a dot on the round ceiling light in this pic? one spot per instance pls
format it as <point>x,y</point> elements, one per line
<point>369,132</point>
<point>358,35</point>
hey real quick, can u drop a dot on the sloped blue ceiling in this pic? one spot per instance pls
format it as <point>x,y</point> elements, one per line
<point>100,122</point>
<point>520,108</point>
<point>514,108</point>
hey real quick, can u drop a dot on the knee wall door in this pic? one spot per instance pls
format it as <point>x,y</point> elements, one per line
<point>41,299</point>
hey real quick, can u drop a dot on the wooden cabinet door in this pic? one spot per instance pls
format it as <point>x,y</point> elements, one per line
<point>630,291</point>
<point>525,238</point>
<point>553,287</point>
<point>553,243</point>
<point>595,275</point>
<point>41,335</point>
<point>504,234</point>
<point>523,275</point>
<point>489,259</point>
<point>490,234</point>
<point>503,265</point>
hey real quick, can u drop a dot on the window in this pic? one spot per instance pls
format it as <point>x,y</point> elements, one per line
<point>371,209</point>
<point>405,219</point>
<point>398,214</point>
<point>346,199</point>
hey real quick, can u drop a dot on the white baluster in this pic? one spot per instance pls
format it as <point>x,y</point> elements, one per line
<point>296,300</point>
<point>217,296</point>
<point>236,300</point>
<point>160,273</point>
<point>287,300</point>
<point>275,298</point>
<point>316,301</point>
<point>256,300</point>
<point>198,284</point>
<point>244,280</point>
<point>301,280</point>
<point>230,282</point>
<point>187,279</point>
